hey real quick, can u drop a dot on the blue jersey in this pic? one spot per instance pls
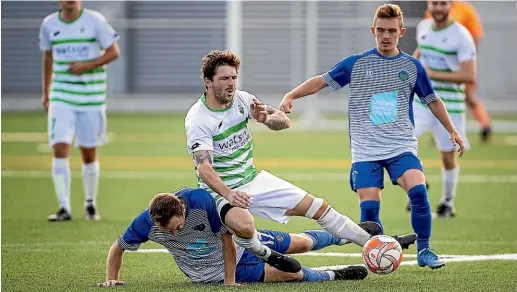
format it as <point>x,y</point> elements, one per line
<point>381,95</point>
<point>197,247</point>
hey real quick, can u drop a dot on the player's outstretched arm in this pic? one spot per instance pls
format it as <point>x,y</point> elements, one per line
<point>308,87</point>
<point>273,118</point>
<point>113,265</point>
<point>230,259</point>
<point>203,162</point>
<point>439,110</point>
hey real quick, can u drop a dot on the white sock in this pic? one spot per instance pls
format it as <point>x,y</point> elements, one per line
<point>91,182</point>
<point>254,245</point>
<point>343,227</point>
<point>62,181</point>
<point>450,179</point>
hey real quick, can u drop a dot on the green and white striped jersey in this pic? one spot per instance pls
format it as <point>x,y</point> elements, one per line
<point>80,40</point>
<point>444,50</point>
<point>224,132</point>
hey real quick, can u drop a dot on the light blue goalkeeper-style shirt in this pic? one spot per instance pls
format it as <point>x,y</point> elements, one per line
<point>381,92</point>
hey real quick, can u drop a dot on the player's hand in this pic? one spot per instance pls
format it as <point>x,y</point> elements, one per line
<point>45,102</point>
<point>286,105</point>
<point>79,68</point>
<point>457,140</point>
<point>111,283</point>
<point>238,199</point>
<point>258,111</point>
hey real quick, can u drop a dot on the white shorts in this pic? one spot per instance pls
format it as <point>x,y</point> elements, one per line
<point>271,197</point>
<point>425,120</point>
<point>88,126</point>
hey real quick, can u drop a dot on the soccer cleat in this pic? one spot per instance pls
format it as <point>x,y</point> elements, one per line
<point>444,211</point>
<point>427,257</point>
<point>283,263</point>
<point>408,202</point>
<point>373,228</point>
<point>91,213</point>
<point>485,134</point>
<point>406,240</point>
<point>60,215</point>
<point>351,273</point>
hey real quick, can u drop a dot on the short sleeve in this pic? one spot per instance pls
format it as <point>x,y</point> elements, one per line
<point>339,76</point>
<point>137,233</point>
<point>466,47</point>
<point>44,41</point>
<point>105,33</point>
<point>423,86</point>
<point>198,135</point>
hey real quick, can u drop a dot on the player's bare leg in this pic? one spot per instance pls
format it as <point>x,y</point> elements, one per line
<point>61,178</point>
<point>241,222</point>
<point>90,174</point>
<point>413,183</point>
<point>450,178</point>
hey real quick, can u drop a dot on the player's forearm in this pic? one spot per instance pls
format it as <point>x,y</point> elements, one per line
<point>276,119</point>
<point>47,73</point>
<point>230,258</point>
<point>456,77</point>
<point>114,261</point>
<point>308,87</point>
<point>440,112</point>
<point>109,55</point>
<point>207,173</point>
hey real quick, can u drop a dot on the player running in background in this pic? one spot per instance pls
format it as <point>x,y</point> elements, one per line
<point>448,53</point>
<point>187,224</point>
<point>464,13</point>
<point>74,90</point>
<point>221,145</point>
<point>382,84</point>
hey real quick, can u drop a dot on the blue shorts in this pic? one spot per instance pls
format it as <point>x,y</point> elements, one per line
<point>368,174</point>
<point>250,268</point>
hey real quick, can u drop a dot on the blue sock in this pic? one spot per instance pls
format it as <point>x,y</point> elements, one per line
<point>321,238</point>
<point>310,275</point>
<point>370,212</point>
<point>420,215</point>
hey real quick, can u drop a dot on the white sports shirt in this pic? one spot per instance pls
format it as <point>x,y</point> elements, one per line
<point>224,132</point>
<point>80,40</point>
<point>444,50</point>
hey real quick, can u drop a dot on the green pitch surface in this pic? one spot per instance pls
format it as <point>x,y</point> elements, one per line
<point>147,154</point>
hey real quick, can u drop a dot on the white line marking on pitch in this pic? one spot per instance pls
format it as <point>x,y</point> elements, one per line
<point>464,178</point>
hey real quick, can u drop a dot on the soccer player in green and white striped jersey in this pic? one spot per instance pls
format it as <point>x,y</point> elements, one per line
<point>77,44</point>
<point>448,52</point>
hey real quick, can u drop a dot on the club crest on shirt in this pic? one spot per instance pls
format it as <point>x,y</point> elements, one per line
<point>403,75</point>
<point>241,109</point>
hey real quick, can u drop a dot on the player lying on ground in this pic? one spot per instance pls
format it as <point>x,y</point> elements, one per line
<point>448,53</point>
<point>222,149</point>
<point>382,84</point>
<point>187,224</point>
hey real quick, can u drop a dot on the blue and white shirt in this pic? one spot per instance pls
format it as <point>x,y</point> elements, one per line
<point>197,247</point>
<point>381,95</point>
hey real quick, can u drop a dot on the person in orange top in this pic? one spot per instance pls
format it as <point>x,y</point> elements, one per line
<point>466,15</point>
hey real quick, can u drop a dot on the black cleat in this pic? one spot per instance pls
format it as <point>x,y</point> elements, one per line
<point>61,215</point>
<point>373,228</point>
<point>91,213</point>
<point>351,273</point>
<point>408,203</point>
<point>283,263</point>
<point>406,240</point>
<point>444,211</point>
<point>485,134</point>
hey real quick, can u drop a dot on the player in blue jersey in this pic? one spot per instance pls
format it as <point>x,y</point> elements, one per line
<point>188,225</point>
<point>382,84</point>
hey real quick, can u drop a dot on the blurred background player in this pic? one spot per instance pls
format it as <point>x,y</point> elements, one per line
<point>466,14</point>
<point>448,53</point>
<point>382,83</point>
<point>188,225</point>
<point>74,90</point>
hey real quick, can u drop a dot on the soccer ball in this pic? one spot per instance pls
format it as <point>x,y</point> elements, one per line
<point>382,254</point>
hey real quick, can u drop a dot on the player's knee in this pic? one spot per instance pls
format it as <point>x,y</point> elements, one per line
<point>89,155</point>
<point>305,245</point>
<point>317,208</point>
<point>61,150</point>
<point>239,220</point>
<point>449,159</point>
